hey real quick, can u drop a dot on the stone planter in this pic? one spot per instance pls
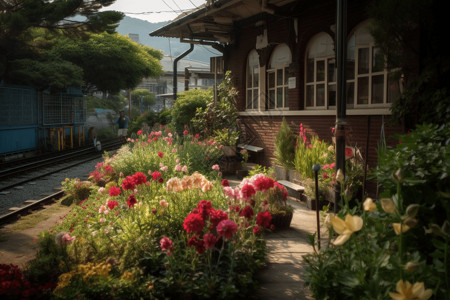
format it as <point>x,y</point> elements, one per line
<point>295,177</point>
<point>282,221</point>
<point>229,151</point>
<point>280,172</point>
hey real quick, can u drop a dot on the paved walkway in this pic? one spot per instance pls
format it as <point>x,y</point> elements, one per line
<point>283,276</point>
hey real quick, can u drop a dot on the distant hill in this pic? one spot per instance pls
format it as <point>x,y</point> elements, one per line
<point>168,46</point>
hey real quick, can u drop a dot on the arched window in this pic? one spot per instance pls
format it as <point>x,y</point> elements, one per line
<point>277,77</point>
<point>320,73</point>
<point>368,82</point>
<point>252,80</point>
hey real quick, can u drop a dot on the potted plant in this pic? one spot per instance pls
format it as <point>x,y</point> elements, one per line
<point>284,151</point>
<point>282,212</point>
<point>227,138</point>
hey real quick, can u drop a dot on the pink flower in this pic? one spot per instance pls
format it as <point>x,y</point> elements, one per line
<point>332,165</point>
<point>325,175</point>
<point>325,167</point>
<point>216,167</point>
<point>101,190</point>
<point>101,209</point>
<point>131,201</point>
<point>139,132</point>
<point>166,245</point>
<point>164,168</point>
<point>348,153</point>
<point>163,203</point>
<point>67,239</point>
<point>209,240</point>
<point>226,228</point>
<point>184,168</point>
<point>178,167</point>
<point>114,191</point>
<point>102,220</point>
<point>185,132</point>
<point>160,154</point>
<point>111,204</point>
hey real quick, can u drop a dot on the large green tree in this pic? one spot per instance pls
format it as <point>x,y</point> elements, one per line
<point>22,60</point>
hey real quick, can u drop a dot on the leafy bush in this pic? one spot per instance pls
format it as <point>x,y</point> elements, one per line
<point>186,106</point>
<point>285,146</point>
<point>377,250</point>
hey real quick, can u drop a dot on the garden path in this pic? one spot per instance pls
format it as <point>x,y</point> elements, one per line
<point>283,277</point>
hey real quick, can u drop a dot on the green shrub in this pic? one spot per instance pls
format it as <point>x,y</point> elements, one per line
<point>285,146</point>
<point>186,106</point>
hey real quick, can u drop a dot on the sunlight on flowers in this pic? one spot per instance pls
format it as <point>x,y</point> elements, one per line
<point>388,205</point>
<point>408,291</point>
<point>369,205</point>
<point>400,228</point>
<point>346,228</point>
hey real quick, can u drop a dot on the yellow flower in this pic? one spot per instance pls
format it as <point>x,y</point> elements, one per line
<point>411,266</point>
<point>408,291</point>
<point>340,176</point>
<point>369,205</point>
<point>400,228</point>
<point>127,275</point>
<point>388,205</point>
<point>346,228</point>
<point>150,287</point>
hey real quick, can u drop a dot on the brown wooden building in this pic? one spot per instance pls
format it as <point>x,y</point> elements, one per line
<point>283,61</point>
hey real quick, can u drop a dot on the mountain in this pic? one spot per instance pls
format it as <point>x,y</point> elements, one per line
<point>171,46</point>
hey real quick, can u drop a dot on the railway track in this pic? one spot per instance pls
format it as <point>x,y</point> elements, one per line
<point>13,179</point>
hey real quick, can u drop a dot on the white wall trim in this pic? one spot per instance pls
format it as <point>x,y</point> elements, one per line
<point>282,113</point>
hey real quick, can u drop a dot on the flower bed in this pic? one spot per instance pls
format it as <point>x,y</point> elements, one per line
<point>154,227</point>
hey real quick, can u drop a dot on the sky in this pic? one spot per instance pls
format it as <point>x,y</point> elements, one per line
<point>154,10</point>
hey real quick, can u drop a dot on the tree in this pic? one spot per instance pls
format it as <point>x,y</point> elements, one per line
<point>111,62</point>
<point>148,99</point>
<point>23,61</point>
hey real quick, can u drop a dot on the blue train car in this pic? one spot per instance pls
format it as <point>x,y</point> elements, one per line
<point>40,121</point>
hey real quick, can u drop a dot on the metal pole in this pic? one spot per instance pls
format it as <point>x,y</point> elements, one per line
<point>316,169</point>
<point>174,78</point>
<point>341,48</point>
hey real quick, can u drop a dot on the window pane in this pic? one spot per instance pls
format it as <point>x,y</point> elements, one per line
<point>320,68</point>
<point>255,99</point>
<point>255,77</point>
<point>377,89</point>
<point>332,95</point>
<point>271,80</point>
<point>331,70</point>
<point>310,70</point>
<point>377,60</point>
<point>286,97</point>
<point>249,78</point>
<point>309,95</point>
<point>286,79</point>
<point>363,60</point>
<point>350,69</point>
<point>320,95</point>
<point>249,99</point>
<point>279,97</point>
<point>393,90</point>
<point>271,99</point>
<point>279,77</point>
<point>350,94</point>
<point>363,90</point>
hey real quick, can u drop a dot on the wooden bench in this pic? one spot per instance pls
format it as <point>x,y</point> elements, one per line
<point>291,185</point>
<point>250,148</point>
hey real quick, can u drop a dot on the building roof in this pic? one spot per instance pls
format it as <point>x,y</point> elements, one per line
<point>212,23</point>
<point>167,64</point>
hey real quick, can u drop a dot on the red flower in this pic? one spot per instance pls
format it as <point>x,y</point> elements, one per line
<point>166,245</point>
<point>155,175</point>
<point>263,183</point>
<point>111,204</point>
<point>264,219</point>
<point>278,187</point>
<point>247,212</point>
<point>161,180</point>
<point>256,230</point>
<point>348,152</point>
<point>139,132</point>
<point>209,240</point>
<point>193,223</point>
<point>131,201</point>
<point>139,178</point>
<point>108,170</point>
<point>225,182</point>
<point>325,175</point>
<point>216,216</point>
<point>114,191</point>
<point>193,241</point>
<point>204,208</point>
<point>247,191</point>
<point>197,135</point>
<point>185,132</point>
<point>128,183</point>
<point>226,228</point>
<point>160,154</point>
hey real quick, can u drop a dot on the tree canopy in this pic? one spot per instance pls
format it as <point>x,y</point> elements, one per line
<point>54,44</point>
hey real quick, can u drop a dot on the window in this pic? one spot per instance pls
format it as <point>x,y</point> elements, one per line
<point>252,80</point>
<point>277,77</point>
<point>320,73</point>
<point>368,81</point>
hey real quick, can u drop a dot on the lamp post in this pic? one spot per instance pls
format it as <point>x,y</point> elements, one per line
<point>316,169</point>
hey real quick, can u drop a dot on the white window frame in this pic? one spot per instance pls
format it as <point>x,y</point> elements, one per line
<point>283,85</point>
<point>326,82</point>
<point>252,104</point>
